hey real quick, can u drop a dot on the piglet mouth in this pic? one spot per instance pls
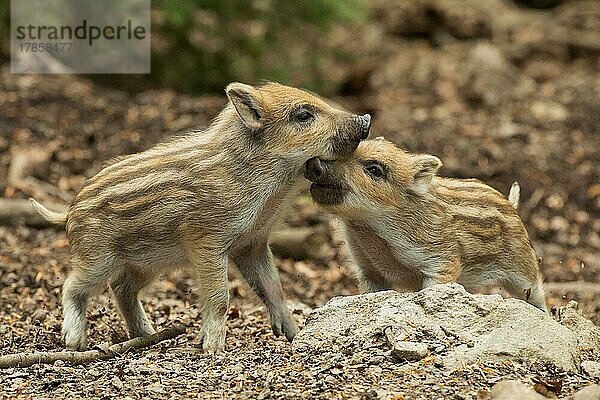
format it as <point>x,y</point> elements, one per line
<point>325,188</point>
<point>328,194</point>
<point>328,186</point>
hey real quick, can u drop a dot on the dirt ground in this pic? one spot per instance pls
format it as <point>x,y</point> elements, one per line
<point>502,93</point>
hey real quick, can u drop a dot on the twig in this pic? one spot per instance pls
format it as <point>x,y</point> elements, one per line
<point>581,288</point>
<point>300,243</point>
<point>17,211</point>
<point>39,189</point>
<point>82,357</point>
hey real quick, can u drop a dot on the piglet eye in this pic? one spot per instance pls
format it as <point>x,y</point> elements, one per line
<point>304,116</point>
<point>374,170</point>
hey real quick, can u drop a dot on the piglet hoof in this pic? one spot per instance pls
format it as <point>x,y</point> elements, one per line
<point>213,340</point>
<point>74,341</point>
<point>290,329</point>
<point>284,325</point>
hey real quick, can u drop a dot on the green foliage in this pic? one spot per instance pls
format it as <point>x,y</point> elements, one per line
<point>201,45</point>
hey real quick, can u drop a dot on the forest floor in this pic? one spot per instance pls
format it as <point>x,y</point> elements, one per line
<point>495,100</point>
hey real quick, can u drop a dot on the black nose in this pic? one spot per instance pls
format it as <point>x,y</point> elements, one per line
<point>313,169</point>
<point>366,125</point>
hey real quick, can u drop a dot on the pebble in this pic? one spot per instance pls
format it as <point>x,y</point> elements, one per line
<point>439,348</point>
<point>412,351</point>
<point>116,382</point>
<point>375,360</point>
<point>156,388</point>
<point>592,368</point>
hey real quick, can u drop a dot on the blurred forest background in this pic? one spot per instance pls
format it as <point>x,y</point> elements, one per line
<point>500,90</point>
<point>200,46</point>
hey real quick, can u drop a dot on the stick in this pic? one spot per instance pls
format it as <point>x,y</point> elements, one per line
<point>39,189</point>
<point>83,357</point>
<point>300,243</point>
<point>18,211</point>
<point>581,288</point>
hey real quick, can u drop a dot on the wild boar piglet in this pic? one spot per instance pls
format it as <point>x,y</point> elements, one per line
<point>406,227</point>
<point>196,202</point>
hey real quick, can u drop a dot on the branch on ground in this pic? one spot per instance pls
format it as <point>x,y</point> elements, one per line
<point>19,211</point>
<point>584,288</point>
<point>300,243</point>
<point>84,357</point>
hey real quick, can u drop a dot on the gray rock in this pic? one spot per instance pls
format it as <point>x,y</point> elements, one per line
<point>514,390</point>
<point>588,334</point>
<point>592,368</point>
<point>475,328</point>
<point>411,351</point>
<point>591,392</point>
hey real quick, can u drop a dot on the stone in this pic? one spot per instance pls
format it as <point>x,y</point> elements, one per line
<point>588,334</point>
<point>116,382</point>
<point>591,392</point>
<point>411,351</point>
<point>475,328</point>
<point>592,368</point>
<point>514,390</point>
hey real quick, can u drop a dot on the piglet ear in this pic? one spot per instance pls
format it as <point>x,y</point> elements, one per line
<point>424,169</point>
<point>247,102</point>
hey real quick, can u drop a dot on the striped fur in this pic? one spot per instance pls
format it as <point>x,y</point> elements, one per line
<point>402,232</point>
<point>195,203</point>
